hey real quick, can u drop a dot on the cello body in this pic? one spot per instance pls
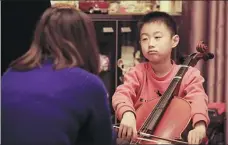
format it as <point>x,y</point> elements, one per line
<point>174,122</point>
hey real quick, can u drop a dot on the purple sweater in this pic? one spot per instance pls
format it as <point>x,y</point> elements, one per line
<point>47,107</point>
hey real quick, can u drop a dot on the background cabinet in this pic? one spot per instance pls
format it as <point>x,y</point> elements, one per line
<point>106,37</point>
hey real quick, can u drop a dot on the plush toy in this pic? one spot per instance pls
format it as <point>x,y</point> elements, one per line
<point>129,59</point>
<point>104,63</point>
<point>113,8</point>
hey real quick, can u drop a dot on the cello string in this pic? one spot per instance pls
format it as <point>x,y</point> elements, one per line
<point>158,105</point>
<point>145,126</point>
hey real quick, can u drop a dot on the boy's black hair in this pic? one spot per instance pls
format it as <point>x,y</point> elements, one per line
<point>159,17</point>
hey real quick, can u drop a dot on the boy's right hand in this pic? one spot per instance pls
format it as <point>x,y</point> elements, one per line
<point>127,129</point>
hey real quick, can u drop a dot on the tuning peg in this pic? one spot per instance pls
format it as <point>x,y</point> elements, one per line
<point>202,47</point>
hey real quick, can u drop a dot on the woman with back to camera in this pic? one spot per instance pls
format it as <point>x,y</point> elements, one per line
<point>52,95</point>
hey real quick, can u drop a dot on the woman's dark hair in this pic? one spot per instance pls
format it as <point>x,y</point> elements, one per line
<point>67,36</point>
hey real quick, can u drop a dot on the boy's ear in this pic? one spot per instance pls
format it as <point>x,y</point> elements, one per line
<point>175,40</point>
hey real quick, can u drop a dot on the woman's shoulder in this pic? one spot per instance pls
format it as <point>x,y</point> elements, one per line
<point>85,76</point>
<point>82,73</point>
<point>89,82</point>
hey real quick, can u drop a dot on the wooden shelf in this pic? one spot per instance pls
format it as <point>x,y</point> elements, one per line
<point>114,17</point>
<point>122,17</point>
<point>140,14</point>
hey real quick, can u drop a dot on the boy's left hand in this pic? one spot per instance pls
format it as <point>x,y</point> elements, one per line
<point>196,135</point>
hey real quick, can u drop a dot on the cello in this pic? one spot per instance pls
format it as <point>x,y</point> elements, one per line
<point>159,125</point>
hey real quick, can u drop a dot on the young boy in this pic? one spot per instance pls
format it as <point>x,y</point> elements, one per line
<point>146,81</point>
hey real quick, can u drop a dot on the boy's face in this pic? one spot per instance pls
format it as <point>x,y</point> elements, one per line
<point>157,42</point>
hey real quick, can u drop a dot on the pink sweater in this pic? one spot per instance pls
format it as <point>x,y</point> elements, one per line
<point>141,83</point>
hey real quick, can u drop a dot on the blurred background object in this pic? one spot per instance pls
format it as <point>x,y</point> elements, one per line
<point>104,63</point>
<point>98,6</point>
<point>73,3</point>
